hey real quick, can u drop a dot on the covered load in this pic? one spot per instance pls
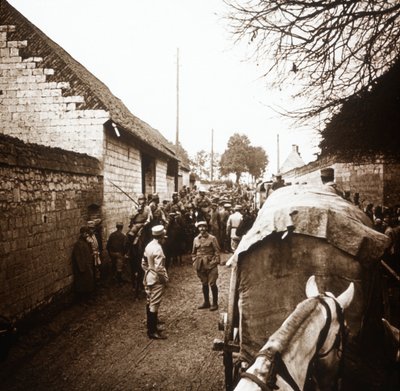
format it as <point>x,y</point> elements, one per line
<point>300,231</point>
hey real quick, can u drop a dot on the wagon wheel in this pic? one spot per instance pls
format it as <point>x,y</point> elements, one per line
<point>231,323</point>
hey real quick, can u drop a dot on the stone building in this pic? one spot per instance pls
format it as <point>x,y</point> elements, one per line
<point>50,99</point>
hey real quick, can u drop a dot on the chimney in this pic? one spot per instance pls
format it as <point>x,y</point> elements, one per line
<point>295,148</point>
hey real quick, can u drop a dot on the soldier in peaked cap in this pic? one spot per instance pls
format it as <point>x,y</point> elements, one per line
<point>328,179</point>
<point>206,258</point>
<point>155,279</point>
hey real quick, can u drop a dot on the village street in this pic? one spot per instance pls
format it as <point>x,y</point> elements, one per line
<point>104,346</point>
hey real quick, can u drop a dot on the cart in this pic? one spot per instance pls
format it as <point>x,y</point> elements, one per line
<point>301,230</point>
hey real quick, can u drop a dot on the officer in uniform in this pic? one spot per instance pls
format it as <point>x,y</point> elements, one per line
<point>155,279</point>
<point>205,256</point>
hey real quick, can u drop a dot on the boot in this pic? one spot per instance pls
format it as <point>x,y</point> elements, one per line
<point>214,290</point>
<point>152,326</point>
<point>206,294</point>
<point>159,323</point>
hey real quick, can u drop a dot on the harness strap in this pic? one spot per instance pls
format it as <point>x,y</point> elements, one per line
<point>324,332</point>
<point>256,380</point>
<point>283,372</point>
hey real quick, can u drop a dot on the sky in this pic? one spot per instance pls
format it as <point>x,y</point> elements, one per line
<point>131,46</point>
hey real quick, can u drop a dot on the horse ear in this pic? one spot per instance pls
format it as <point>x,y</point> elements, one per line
<point>346,297</point>
<point>311,287</point>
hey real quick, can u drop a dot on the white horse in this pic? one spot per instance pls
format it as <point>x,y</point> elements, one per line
<point>309,343</point>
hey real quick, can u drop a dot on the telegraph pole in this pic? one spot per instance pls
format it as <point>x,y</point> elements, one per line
<point>277,154</point>
<point>212,154</point>
<point>177,97</point>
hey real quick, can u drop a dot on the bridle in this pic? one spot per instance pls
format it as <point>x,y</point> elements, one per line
<point>278,366</point>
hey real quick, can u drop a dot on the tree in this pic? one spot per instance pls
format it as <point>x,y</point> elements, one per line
<point>200,164</point>
<point>367,124</point>
<point>257,162</point>
<point>233,160</point>
<point>335,48</point>
<point>241,157</point>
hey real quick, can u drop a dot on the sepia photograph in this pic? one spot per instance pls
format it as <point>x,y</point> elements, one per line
<point>199,195</point>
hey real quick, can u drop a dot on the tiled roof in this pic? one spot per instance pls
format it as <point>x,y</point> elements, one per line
<point>97,95</point>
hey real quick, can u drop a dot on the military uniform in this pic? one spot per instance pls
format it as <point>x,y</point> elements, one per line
<point>206,258</point>
<point>155,279</point>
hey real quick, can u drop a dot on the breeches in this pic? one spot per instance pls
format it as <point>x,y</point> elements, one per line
<point>117,259</point>
<point>208,276</point>
<point>154,295</point>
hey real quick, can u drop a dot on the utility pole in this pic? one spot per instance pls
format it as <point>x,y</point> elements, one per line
<point>277,154</point>
<point>177,97</point>
<point>212,154</point>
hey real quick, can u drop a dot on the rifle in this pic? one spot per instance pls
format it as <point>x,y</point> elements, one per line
<point>122,191</point>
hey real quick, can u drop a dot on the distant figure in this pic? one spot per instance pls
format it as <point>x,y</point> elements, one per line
<point>94,245</point>
<point>82,266</point>
<point>116,249</point>
<point>328,176</point>
<point>231,226</point>
<point>277,183</point>
<point>328,179</point>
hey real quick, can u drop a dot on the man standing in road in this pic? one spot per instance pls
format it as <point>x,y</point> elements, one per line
<point>205,256</point>
<point>233,222</point>
<point>155,279</point>
<point>116,250</point>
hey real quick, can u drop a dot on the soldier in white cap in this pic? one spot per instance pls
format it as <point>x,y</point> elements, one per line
<point>206,258</point>
<point>155,279</point>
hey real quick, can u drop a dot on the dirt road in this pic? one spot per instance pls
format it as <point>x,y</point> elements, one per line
<point>104,346</point>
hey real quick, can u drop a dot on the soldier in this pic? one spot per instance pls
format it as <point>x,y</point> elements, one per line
<point>94,245</point>
<point>137,238</point>
<point>155,279</point>
<point>175,206</point>
<point>205,256</point>
<point>159,217</point>
<point>202,205</point>
<point>82,265</point>
<point>116,249</point>
<point>232,224</point>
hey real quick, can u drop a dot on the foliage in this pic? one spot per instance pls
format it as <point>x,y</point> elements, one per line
<point>334,48</point>
<point>241,157</point>
<point>198,164</point>
<point>368,122</point>
<point>257,162</point>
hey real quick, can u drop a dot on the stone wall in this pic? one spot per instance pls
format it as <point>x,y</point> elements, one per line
<point>375,179</point>
<point>162,181</point>
<point>37,110</point>
<point>45,194</point>
<point>122,168</point>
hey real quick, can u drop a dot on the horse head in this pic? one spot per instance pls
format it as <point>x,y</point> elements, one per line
<point>308,345</point>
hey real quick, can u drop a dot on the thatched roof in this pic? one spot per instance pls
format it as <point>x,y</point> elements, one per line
<point>96,94</point>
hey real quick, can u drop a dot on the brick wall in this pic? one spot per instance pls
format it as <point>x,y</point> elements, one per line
<point>44,198</point>
<point>37,110</point>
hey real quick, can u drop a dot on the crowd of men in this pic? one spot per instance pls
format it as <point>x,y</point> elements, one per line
<point>199,223</point>
<point>196,222</point>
